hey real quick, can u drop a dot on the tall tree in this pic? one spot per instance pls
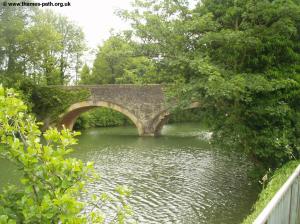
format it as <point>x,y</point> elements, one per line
<point>240,59</point>
<point>73,45</point>
<point>110,60</point>
<point>162,32</point>
<point>85,75</point>
<point>13,22</point>
<point>39,44</point>
<point>119,60</point>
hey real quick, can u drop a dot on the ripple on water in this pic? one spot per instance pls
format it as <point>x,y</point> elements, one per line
<point>175,179</point>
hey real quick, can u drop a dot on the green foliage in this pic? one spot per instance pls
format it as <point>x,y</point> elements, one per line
<point>41,45</point>
<point>251,36</point>
<point>48,102</point>
<point>85,74</point>
<point>239,59</point>
<point>13,22</point>
<point>186,116</point>
<point>101,117</point>
<point>163,35</point>
<point>50,183</point>
<point>118,61</point>
<point>276,181</point>
<point>110,60</point>
<point>139,70</point>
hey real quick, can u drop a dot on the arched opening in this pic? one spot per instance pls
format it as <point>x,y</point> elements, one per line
<point>73,112</point>
<point>163,117</point>
<point>102,117</point>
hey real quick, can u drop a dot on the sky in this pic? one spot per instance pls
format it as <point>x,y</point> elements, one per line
<point>95,17</point>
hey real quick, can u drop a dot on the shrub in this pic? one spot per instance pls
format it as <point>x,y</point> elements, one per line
<point>50,183</point>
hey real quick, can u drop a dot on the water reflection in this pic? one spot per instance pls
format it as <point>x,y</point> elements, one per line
<point>176,178</point>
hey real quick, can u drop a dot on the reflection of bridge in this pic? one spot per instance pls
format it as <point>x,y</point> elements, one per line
<point>145,105</point>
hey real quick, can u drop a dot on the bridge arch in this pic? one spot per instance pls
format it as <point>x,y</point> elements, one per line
<point>69,118</point>
<point>163,116</point>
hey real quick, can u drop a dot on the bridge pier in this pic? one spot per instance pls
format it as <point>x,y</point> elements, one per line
<point>149,131</point>
<point>153,127</point>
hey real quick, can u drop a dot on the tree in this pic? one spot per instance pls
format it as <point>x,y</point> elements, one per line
<point>42,45</point>
<point>13,22</point>
<point>72,43</point>
<point>110,60</point>
<point>52,46</point>
<point>240,59</point>
<point>161,29</point>
<point>85,74</point>
<point>119,61</point>
<point>252,93</point>
<point>140,70</point>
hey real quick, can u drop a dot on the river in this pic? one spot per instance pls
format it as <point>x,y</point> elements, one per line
<point>176,178</point>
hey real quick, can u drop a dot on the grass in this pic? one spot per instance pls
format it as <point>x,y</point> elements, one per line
<point>277,180</point>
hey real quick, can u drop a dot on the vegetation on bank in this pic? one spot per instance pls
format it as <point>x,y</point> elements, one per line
<point>240,59</point>
<point>101,117</point>
<point>275,183</point>
<point>104,117</point>
<point>190,115</point>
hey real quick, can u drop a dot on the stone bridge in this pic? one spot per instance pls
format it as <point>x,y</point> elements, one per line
<point>144,105</point>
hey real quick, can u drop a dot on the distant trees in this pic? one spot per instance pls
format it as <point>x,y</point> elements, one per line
<point>39,45</point>
<point>118,61</point>
<point>85,74</point>
<point>12,24</point>
<point>111,60</point>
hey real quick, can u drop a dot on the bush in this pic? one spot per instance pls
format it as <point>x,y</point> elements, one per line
<point>50,183</point>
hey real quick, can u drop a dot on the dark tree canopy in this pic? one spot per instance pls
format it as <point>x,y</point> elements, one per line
<point>241,59</point>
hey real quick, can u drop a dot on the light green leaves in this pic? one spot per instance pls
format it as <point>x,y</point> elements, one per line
<point>50,183</point>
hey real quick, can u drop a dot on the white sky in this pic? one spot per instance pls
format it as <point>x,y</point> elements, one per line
<point>95,17</point>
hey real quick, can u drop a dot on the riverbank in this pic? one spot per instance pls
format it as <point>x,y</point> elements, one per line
<point>276,181</point>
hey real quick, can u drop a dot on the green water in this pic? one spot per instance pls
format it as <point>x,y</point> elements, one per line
<point>176,178</point>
